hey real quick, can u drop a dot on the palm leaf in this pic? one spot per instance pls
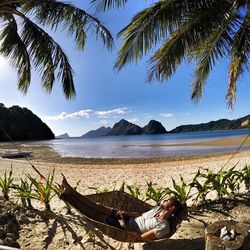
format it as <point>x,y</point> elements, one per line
<point>239,61</point>
<point>26,42</point>
<point>197,31</point>
<point>103,5</point>
<point>13,48</point>
<point>75,20</point>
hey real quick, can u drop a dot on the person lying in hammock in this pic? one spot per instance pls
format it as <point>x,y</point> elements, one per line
<point>153,224</point>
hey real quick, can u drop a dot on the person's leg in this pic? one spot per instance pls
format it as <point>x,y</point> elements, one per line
<point>112,221</point>
<point>82,203</point>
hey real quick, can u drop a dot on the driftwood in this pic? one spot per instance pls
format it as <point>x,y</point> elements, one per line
<point>214,242</point>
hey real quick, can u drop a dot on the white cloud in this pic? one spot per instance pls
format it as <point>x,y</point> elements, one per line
<point>105,114</point>
<point>133,120</point>
<point>147,116</point>
<point>86,113</point>
<point>103,122</point>
<point>167,114</point>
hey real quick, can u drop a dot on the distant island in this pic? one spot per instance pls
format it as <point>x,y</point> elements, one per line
<point>63,136</point>
<point>19,124</point>
<point>124,127</point>
<point>222,124</point>
<point>102,131</point>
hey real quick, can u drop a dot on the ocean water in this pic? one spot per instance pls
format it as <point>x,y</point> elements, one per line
<point>144,146</point>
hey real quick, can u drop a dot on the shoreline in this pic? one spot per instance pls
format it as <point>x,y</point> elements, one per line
<point>46,153</point>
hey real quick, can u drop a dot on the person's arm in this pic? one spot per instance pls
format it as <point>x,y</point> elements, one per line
<point>132,214</point>
<point>149,235</point>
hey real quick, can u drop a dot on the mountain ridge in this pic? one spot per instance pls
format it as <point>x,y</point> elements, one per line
<point>123,127</point>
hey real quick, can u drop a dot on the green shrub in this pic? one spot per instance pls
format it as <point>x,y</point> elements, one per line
<point>134,190</point>
<point>24,191</point>
<point>181,191</point>
<point>155,194</point>
<point>202,188</point>
<point>6,183</point>
<point>43,192</point>
<point>245,177</point>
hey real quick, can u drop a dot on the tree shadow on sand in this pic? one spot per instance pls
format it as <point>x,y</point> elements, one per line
<point>75,229</point>
<point>66,222</point>
<point>222,206</point>
<point>174,244</point>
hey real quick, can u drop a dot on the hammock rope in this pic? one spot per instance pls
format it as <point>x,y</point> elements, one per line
<point>235,152</point>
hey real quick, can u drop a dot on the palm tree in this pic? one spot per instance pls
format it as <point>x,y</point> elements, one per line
<point>25,42</point>
<point>200,31</point>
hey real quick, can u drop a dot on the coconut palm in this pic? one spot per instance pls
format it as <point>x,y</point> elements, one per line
<point>200,31</point>
<point>26,43</point>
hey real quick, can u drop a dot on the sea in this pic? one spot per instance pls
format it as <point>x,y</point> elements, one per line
<point>145,146</point>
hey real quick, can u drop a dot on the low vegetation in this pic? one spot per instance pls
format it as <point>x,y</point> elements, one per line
<point>6,183</point>
<point>225,183</point>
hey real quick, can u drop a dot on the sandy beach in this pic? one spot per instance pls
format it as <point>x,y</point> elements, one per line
<point>60,231</point>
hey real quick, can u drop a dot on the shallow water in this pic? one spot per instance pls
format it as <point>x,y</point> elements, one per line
<point>144,146</point>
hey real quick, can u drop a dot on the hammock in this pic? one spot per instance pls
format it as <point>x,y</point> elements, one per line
<point>117,199</point>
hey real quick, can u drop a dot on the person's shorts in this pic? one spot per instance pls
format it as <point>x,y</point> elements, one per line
<point>114,220</point>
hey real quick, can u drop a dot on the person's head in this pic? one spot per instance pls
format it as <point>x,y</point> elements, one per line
<point>171,205</point>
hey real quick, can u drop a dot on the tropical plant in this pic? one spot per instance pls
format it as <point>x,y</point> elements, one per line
<point>233,181</point>
<point>6,183</point>
<point>134,190</point>
<point>155,194</point>
<point>43,192</point>
<point>98,190</point>
<point>216,181</point>
<point>90,234</point>
<point>202,188</point>
<point>122,187</point>
<point>25,42</point>
<point>24,191</point>
<point>245,177</point>
<point>201,31</point>
<point>180,191</point>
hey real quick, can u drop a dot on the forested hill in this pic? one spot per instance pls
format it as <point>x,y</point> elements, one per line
<point>22,124</point>
<point>222,124</point>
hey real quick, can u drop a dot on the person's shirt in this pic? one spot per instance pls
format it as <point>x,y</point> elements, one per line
<point>148,221</point>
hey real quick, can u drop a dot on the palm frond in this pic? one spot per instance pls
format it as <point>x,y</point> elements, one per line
<point>200,31</point>
<point>75,20</point>
<point>212,49</point>
<point>239,61</point>
<point>156,24</point>
<point>15,50</point>
<point>48,56</point>
<point>103,5</point>
<point>171,53</point>
<point>27,41</point>
<point>145,31</point>
<point>182,43</point>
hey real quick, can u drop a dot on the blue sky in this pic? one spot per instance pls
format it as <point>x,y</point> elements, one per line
<point>105,96</point>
